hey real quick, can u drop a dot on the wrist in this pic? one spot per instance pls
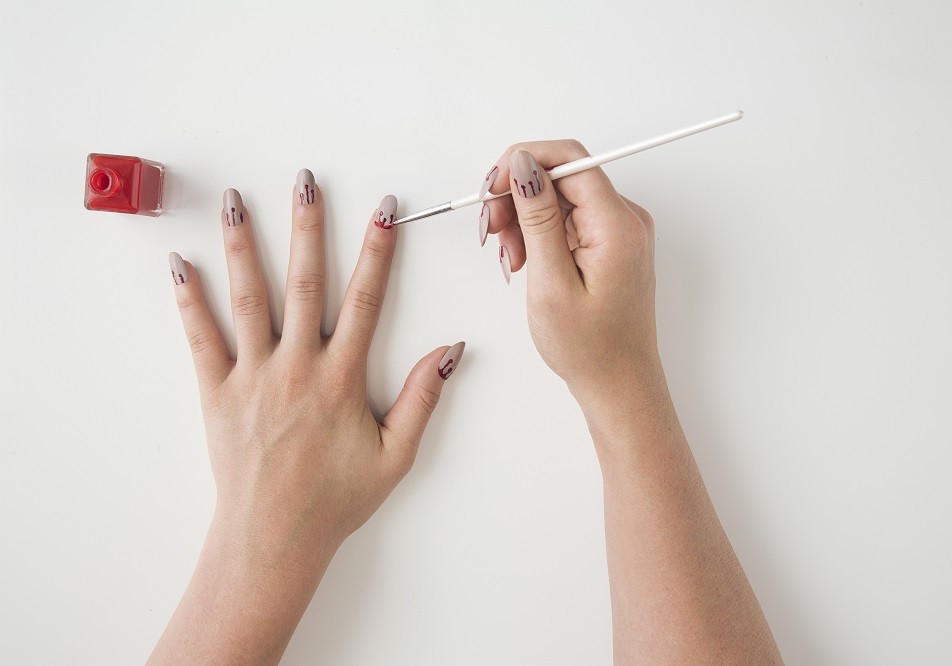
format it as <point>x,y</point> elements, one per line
<point>628,414</point>
<point>250,542</point>
<point>246,597</point>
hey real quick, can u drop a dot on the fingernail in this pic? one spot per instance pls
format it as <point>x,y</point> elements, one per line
<point>483,224</point>
<point>488,181</point>
<point>386,212</point>
<point>525,173</point>
<point>450,360</point>
<point>179,272</point>
<point>233,208</point>
<point>505,263</point>
<point>305,187</point>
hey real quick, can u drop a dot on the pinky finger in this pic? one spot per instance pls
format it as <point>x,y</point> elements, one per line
<point>212,363</point>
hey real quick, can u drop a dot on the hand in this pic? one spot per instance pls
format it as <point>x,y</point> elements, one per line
<point>679,595</point>
<point>590,269</point>
<point>299,460</point>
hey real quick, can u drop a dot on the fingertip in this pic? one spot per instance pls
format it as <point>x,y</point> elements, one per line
<point>489,180</point>
<point>306,190</point>
<point>450,360</point>
<point>229,196</point>
<point>179,268</point>
<point>511,239</point>
<point>386,213</point>
<point>232,208</point>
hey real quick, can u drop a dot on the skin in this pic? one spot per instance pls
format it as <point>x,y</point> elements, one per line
<point>300,462</point>
<point>679,594</point>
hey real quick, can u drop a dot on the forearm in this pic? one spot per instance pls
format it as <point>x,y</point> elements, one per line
<point>678,591</point>
<point>246,597</point>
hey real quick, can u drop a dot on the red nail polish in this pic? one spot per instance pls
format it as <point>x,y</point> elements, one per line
<point>124,184</point>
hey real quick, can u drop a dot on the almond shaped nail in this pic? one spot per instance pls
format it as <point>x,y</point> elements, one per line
<point>450,360</point>
<point>526,174</point>
<point>505,262</point>
<point>488,181</point>
<point>233,208</point>
<point>305,188</point>
<point>483,224</point>
<point>386,212</point>
<point>177,265</point>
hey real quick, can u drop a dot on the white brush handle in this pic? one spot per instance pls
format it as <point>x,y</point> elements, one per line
<point>593,161</point>
<point>582,164</point>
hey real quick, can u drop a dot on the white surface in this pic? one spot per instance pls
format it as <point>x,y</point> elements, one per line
<point>803,290</point>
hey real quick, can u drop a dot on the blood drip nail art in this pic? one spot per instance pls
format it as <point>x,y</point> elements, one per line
<point>483,224</point>
<point>305,187</point>
<point>450,360</point>
<point>386,212</point>
<point>526,174</point>
<point>177,266</point>
<point>233,208</point>
<point>505,262</point>
<point>488,181</point>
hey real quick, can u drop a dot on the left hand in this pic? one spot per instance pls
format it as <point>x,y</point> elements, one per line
<point>300,462</point>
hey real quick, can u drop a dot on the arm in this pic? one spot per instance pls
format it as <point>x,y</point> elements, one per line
<point>679,595</point>
<point>300,462</point>
<point>678,592</point>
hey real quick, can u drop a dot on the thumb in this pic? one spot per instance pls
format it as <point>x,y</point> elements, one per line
<point>541,219</point>
<point>403,425</point>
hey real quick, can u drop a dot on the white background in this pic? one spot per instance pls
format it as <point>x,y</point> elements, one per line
<point>803,296</point>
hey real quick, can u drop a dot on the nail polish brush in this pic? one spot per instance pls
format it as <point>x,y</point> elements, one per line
<point>581,164</point>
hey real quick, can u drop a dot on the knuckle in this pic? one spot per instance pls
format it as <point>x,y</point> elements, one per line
<point>236,246</point>
<point>366,302</point>
<point>248,304</point>
<point>577,147</point>
<point>428,398</point>
<point>216,399</point>
<point>200,341</point>
<point>540,219</point>
<point>376,249</point>
<point>647,218</point>
<point>306,286</point>
<point>185,300</point>
<point>403,458</point>
<point>403,455</point>
<point>339,390</point>
<point>308,224</point>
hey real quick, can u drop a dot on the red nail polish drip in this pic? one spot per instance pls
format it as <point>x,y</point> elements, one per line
<point>382,221</point>
<point>124,184</point>
<point>446,370</point>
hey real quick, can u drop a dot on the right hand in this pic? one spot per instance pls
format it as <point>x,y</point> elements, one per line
<point>590,261</point>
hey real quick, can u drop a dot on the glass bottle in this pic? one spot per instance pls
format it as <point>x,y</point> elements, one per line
<point>124,184</point>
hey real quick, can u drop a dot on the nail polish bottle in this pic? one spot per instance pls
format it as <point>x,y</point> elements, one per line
<point>124,184</point>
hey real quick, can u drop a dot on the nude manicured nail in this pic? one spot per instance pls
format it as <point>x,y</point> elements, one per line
<point>488,181</point>
<point>450,360</point>
<point>483,224</point>
<point>526,173</point>
<point>505,262</point>
<point>386,213</point>
<point>177,265</point>
<point>233,208</point>
<point>305,187</point>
